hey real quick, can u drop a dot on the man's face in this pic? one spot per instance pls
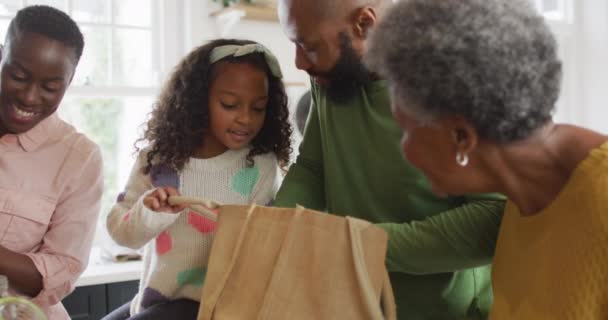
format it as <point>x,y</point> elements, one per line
<point>347,74</point>
<point>324,49</point>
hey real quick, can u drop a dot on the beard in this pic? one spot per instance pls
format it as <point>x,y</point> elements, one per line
<point>348,74</point>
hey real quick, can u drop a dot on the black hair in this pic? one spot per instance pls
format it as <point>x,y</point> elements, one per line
<point>181,114</point>
<point>49,22</point>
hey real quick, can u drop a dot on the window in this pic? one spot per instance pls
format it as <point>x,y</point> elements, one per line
<point>559,15</point>
<point>118,76</point>
<point>555,10</point>
<point>582,34</point>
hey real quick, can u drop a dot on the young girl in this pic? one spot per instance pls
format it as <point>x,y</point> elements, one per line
<point>218,131</point>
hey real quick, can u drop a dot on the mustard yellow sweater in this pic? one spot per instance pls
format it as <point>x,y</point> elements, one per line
<point>554,265</point>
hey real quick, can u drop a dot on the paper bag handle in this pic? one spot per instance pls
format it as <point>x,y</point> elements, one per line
<point>204,207</point>
<point>387,309</point>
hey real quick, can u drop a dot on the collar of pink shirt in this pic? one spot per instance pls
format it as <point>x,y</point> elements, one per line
<point>33,138</point>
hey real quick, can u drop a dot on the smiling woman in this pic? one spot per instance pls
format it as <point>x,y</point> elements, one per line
<point>35,71</point>
<point>50,175</point>
<point>117,76</point>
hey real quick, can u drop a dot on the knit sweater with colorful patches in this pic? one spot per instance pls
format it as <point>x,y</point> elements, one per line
<point>177,246</point>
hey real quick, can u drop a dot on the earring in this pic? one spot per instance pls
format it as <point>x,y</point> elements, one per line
<point>462,159</point>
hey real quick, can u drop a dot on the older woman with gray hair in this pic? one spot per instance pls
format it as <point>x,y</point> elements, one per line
<point>474,85</point>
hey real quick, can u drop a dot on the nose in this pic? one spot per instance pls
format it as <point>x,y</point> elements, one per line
<point>244,116</point>
<point>31,95</point>
<point>302,61</point>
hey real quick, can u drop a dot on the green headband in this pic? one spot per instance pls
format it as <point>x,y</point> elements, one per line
<point>222,52</point>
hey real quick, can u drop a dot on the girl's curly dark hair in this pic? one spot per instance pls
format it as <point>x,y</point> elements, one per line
<point>181,113</point>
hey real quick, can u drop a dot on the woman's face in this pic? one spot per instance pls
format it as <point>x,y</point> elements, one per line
<point>432,148</point>
<point>35,72</point>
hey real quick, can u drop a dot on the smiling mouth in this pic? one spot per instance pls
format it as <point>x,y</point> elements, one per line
<point>239,133</point>
<point>240,136</point>
<point>24,114</point>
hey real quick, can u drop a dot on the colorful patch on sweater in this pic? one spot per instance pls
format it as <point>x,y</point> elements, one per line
<point>244,180</point>
<point>121,197</point>
<point>164,176</point>
<point>152,297</point>
<point>164,243</point>
<point>195,277</point>
<point>201,223</point>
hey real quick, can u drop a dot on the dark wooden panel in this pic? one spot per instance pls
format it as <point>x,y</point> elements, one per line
<point>87,303</point>
<point>120,293</point>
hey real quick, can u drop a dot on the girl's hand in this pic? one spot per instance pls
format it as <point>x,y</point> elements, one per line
<point>158,200</point>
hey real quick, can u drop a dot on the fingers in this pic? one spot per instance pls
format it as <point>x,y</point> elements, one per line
<point>161,194</point>
<point>173,192</point>
<point>158,200</point>
<point>151,202</point>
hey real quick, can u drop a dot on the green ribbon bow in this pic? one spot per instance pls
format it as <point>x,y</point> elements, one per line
<point>222,52</point>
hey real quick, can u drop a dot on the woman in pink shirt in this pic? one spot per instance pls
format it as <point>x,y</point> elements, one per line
<point>50,175</point>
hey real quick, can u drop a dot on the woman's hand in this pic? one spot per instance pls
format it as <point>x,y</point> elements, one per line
<point>158,200</point>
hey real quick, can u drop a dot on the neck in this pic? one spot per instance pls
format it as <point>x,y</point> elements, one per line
<point>531,172</point>
<point>209,148</point>
<point>206,153</point>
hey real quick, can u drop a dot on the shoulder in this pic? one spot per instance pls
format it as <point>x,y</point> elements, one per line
<point>160,174</point>
<point>79,147</point>
<point>575,144</point>
<point>266,161</point>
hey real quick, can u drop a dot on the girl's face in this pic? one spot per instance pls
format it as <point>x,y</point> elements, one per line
<point>238,98</point>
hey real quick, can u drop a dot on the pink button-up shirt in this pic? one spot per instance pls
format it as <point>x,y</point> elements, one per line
<point>50,192</point>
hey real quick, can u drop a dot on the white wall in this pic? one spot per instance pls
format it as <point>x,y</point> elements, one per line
<point>582,35</point>
<point>591,42</point>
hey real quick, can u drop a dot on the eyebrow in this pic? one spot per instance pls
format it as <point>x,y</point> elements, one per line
<point>302,37</point>
<point>306,41</point>
<point>235,95</point>
<point>15,63</point>
<point>228,92</point>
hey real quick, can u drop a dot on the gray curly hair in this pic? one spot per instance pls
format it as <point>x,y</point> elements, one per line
<point>493,62</point>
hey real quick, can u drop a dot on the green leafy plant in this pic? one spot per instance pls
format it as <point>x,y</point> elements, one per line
<point>227,3</point>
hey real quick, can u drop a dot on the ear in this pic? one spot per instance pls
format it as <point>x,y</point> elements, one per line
<point>464,136</point>
<point>364,20</point>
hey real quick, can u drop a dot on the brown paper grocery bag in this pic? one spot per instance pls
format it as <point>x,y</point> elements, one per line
<point>291,264</point>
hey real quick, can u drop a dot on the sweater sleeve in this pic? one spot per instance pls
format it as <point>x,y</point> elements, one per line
<point>130,223</point>
<point>304,183</point>
<point>460,238</point>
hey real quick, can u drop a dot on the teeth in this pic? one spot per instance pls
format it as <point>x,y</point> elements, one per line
<point>24,113</point>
